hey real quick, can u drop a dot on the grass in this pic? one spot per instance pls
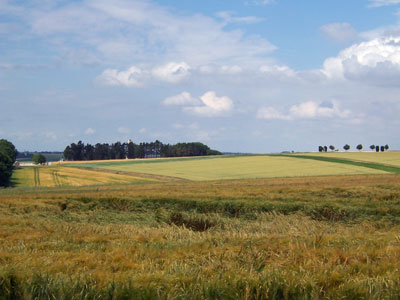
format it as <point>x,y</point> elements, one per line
<point>390,158</point>
<point>334,237</point>
<point>236,167</point>
<point>358,163</point>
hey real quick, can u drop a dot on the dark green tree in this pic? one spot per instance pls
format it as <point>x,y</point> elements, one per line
<point>372,147</point>
<point>8,155</point>
<point>39,158</point>
<point>346,147</point>
<point>332,147</point>
<point>359,147</point>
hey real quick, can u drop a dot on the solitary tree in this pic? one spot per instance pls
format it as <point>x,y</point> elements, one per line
<point>320,149</point>
<point>359,147</point>
<point>372,147</point>
<point>332,147</point>
<point>38,159</point>
<point>386,147</point>
<point>382,148</point>
<point>346,147</point>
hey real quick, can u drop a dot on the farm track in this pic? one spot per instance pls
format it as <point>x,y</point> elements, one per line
<point>56,178</point>
<point>36,176</point>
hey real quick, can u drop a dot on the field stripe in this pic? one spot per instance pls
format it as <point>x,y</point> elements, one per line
<point>376,166</point>
<point>134,174</point>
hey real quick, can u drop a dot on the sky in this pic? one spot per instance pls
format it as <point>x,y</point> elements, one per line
<point>252,76</point>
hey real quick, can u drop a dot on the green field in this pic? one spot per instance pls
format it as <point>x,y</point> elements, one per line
<point>235,167</point>
<point>391,158</point>
<point>162,229</point>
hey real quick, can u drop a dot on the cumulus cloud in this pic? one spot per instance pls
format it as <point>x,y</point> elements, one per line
<point>184,98</point>
<point>212,105</point>
<point>305,110</point>
<point>172,72</point>
<point>132,77</point>
<point>207,105</point>
<point>339,32</point>
<point>376,62</point>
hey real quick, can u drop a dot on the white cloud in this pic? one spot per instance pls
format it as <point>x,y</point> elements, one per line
<point>212,105</point>
<point>271,113</point>
<point>184,98</point>
<point>374,62</point>
<point>123,130</point>
<point>228,17</point>
<point>89,131</point>
<point>232,70</point>
<point>378,3</point>
<point>339,32</point>
<point>305,110</point>
<point>172,72</point>
<point>132,77</point>
<point>276,70</point>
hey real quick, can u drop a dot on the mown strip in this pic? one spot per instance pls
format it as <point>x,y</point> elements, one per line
<point>376,166</point>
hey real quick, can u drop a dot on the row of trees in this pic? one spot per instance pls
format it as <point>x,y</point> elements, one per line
<point>8,154</point>
<point>358,147</point>
<point>81,151</point>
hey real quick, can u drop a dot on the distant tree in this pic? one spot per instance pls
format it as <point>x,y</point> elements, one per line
<point>332,147</point>
<point>39,158</point>
<point>346,147</point>
<point>131,150</point>
<point>325,149</point>
<point>382,148</point>
<point>359,147</point>
<point>372,147</point>
<point>377,148</point>
<point>386,147</point>
<point>320,149</point>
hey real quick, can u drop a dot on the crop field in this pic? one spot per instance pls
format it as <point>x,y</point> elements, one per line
<point>235,167</point>
<point>391,158</point>
<point>45,176</point>
<point>95,234</point>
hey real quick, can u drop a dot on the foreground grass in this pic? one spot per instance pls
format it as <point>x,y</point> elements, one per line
<point>293,238</point>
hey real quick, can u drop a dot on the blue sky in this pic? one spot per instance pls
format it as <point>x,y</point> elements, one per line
<point>243,75</point>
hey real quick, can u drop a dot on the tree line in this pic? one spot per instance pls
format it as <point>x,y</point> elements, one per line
<point>118,150</point>
<point>8,154</point>
<point>358,147</point>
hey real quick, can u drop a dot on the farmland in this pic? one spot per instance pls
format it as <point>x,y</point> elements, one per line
<point>288,236</point>
<point>65,176</point>
<point>236,167</point>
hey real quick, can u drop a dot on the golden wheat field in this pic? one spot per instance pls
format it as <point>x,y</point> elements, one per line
<point>46,176</point>
<point>95,234</point>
